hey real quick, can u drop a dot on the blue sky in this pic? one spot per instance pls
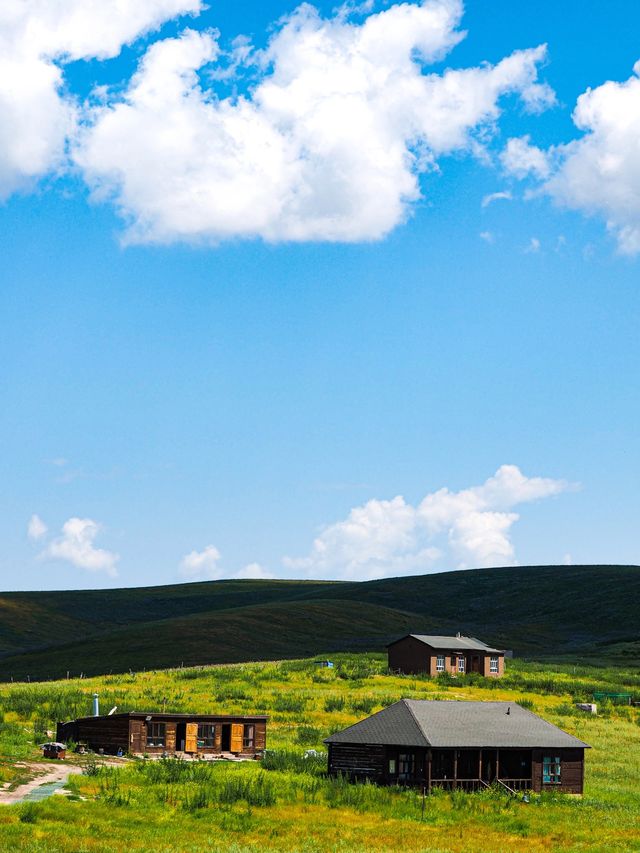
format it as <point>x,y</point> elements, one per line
<point>249,331</point>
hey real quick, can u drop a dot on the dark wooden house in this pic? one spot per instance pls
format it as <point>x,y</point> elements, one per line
<point>158,733</point>
<point>431,654</point>
<point>468,745</point>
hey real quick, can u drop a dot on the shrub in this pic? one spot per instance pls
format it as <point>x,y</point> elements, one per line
<point>290,703</point>
<point>308,735</point>
<point>363,705</point>
<point>334,703</point>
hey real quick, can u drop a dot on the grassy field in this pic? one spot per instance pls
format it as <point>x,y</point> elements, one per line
<point>537,611</point>
<point>285,803</point>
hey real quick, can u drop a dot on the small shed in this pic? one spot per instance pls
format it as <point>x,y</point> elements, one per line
<point>468,745</point>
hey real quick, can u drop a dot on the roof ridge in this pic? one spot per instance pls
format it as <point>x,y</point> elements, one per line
<point>415,719</point>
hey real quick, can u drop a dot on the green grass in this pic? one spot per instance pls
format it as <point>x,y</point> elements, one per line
<point>286,803</point>
<point>584,613</point>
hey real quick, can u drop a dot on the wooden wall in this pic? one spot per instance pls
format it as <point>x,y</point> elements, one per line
<point>130,734</point>
<point>358,761</point>
<point>410,655</point>
<point>571,770</point>
<point>106,733</point>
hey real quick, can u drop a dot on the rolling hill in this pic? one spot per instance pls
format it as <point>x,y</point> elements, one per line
<point>538,611</point>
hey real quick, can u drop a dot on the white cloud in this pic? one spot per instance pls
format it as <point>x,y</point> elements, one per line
<point>504,195</point>
<point>600,172</point>
<point>75,546</point>
<point>520,159</point>
<point>329,144</point>
<point>533,246</point>
<point>254,571</point>
<point>36,528</point>
<point>202,564</point>
<point>487,236</point>
<point>37,37</point>
<point>470,528</point>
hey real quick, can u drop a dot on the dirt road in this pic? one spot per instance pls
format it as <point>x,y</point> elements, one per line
<point>45,774</point>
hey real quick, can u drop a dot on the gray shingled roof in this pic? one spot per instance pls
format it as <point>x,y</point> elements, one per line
<point>441,724</point>
<point>452,643</point>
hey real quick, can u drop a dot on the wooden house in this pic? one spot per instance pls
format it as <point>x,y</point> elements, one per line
<point>469,745</point>
<point>158,733</point>
<point>432,654</point>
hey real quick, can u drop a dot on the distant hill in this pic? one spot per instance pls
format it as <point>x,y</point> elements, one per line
<point>536,610</point>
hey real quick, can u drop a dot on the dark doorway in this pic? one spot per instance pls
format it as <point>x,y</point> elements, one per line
<point>225,742</point>
<point>489,758</point>
<point>181,733</point>
<point>475,664</point>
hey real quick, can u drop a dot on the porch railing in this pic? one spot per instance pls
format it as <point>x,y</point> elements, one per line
<point>510,785</point>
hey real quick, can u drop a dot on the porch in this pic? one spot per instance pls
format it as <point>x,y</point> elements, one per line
<point>466,769</point>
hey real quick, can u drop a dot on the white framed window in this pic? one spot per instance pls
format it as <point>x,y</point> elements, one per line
<point>392,767</point>
<point>460,664</point>
<point>551,769</point>
<point>493,664</point>
<point>440,663</point>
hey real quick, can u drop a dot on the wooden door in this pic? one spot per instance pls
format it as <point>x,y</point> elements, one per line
<point>191,737</point>
<point>237,732</point>
<point>135,736</point>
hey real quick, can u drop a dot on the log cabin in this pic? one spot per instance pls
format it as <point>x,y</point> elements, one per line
<point>451,744</point>
<point>431,654</point>
<point>158,733</point>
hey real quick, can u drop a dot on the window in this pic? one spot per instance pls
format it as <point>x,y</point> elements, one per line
<point>440,663</point>
<point>206,735</point>
<point>156,734</point>
<point>551,770</point>
<point>406,765</point>
<point>392,767</point>
<point>249,737</point>
<point>493,664</point>
<point>460,664</point>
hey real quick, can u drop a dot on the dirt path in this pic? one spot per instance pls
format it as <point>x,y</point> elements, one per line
<point>44,774</point>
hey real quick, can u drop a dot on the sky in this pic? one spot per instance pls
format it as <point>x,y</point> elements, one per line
<point>316,291</point>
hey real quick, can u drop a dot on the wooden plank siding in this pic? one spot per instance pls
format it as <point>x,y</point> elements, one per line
<point>131,733</point>
<point>471,769</point>
<point>571,770</point>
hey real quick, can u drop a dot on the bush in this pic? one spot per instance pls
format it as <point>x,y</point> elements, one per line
<point>308,735</point>
<point>334,703</point>
<point>363,705</point>
<point>291,761</point>
<point>290,703</point>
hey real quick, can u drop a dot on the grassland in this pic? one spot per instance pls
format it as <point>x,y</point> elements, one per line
<point>580,611</point>
<point>286,803</point>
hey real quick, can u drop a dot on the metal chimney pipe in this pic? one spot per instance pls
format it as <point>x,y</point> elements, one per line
<point>96,705</point>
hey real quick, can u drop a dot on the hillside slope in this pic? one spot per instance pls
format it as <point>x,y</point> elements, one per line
<point>544,610</point>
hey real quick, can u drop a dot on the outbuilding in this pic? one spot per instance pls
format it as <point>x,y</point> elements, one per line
<point>433,654</point>
<point>468,745</point>
<point>158,733</point>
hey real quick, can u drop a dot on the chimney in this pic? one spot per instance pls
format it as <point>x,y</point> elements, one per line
<point>96,705</point>
<point>458,635</point>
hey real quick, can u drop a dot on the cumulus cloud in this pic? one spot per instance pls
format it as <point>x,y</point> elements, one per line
<point>37,38</point>
<point>202,564</point>
<point>469,528</point>
<point>254,571</point>
<point>600,172</point>
<point>75,546</point>
<point>520,158</point>
<point>36,528</point>
<point>329,142</point>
